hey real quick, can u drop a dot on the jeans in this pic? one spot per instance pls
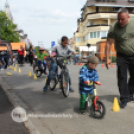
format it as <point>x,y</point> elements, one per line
<point>125,64</point>
<point>44,64</point>
<point>76,60</point>
<point>3,62</point>
<point>53,71</point>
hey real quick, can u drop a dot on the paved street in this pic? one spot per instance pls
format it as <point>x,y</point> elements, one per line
<point>53,102</point>
<point>7,125</point>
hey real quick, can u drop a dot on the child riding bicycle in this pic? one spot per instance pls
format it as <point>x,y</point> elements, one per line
<point>88,75</point>
<point>40,57</point>
<point>60,50</point>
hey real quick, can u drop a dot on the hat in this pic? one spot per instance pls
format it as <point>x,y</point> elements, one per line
<point>93,59</point>
<point>41,49</point>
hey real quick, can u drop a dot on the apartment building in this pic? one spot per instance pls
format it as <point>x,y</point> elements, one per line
<point>96,17</point>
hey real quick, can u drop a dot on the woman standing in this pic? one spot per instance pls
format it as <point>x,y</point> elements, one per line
<point>21,54</point>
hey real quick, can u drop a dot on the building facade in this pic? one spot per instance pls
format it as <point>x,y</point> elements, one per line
<point>96,17</point>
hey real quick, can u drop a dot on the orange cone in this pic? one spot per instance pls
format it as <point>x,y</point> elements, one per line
<point>102,65</point>
<point>112,66</point>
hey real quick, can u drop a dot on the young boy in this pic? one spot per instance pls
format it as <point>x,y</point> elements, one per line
<point>88,75</point>
<point>40,57</point>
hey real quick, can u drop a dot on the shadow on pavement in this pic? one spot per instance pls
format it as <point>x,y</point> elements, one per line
<point>109,98</point>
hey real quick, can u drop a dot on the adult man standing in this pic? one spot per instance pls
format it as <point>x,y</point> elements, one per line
<point>122,34</point>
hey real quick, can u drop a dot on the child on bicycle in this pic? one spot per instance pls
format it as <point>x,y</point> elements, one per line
<point>88,75</point>
<point>40,57</point>
<point>60,50</point>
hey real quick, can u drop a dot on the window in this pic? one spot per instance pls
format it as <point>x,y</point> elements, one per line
<point>78,39</point>
<point>91,23</point>
<point>94,34</point>
<point>131,0</point>
<point>98,34</point>
<point>103,34</point>
<point>116,9</point>
<point>91,34</point>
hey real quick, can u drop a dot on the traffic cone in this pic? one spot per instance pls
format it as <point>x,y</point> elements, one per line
<point>15,69</point>
<point>10,67</point>
<point>35,77</point>
<point>116,107</point>
<point>102,65</point>
<point>112,66</point>
<point>16,65</point>
<point>29,74</point>
<point>19,70</point>
<point>9,74</point>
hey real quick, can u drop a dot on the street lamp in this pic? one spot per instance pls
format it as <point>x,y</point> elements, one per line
<point>88,45</point>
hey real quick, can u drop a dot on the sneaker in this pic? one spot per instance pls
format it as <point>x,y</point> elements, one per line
<point>2,69</point>
<point>46,88</point>
<point>123,104</point>
<point>131,99</point>
<point>71,89</point>
<point>82,112</point>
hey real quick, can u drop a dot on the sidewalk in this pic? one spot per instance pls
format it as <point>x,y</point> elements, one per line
<point>7,125</point>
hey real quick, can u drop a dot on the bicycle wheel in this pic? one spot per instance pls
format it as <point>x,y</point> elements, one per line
<point>53,83</point>
<point>37,71</point>
<point>100,112</point>
<point>35,67</point>
<point>65,83</point>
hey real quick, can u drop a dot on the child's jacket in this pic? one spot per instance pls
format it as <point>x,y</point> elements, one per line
<point>87,75</point>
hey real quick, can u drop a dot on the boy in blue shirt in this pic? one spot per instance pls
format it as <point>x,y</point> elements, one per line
<point>88,75</point>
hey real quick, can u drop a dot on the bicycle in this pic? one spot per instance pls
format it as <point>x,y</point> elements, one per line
<point>63,78</point>
<point>97,108</point>
<point>39,70</point>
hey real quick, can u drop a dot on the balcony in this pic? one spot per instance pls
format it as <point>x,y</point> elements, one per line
<point>97,25</point>
<point>101,15</point>
<point>106,0</point>
<point>78,34</point>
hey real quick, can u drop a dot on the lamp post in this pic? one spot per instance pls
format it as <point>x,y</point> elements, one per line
<point>88,45</point>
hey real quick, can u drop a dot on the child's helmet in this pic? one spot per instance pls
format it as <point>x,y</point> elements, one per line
<point>41,49</point>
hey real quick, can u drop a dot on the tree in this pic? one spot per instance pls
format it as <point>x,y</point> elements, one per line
<point>7,29</point>
<point>37,49</point>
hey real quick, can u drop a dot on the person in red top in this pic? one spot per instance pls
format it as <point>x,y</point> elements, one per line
<point>21,54</point>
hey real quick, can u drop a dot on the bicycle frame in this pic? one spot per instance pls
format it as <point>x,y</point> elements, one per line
<point>96,98</point>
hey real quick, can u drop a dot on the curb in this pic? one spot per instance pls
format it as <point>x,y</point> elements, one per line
<point>17,102</point>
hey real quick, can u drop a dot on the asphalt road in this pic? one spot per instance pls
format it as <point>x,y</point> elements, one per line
<point>7,125</point>
<point>52,104</point>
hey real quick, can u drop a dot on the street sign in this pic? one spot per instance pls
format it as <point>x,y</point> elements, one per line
<point>52,43</point>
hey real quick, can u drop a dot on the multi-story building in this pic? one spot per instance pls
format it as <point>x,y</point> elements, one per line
<point>96,17</point>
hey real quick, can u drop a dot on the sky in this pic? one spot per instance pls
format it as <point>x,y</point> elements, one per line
<point>45,20</point>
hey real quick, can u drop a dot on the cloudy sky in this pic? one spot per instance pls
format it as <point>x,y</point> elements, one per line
<point>45,20</point>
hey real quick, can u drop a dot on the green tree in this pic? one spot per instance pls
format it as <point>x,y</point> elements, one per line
<point>36,49</point>
<point>7,29</point>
